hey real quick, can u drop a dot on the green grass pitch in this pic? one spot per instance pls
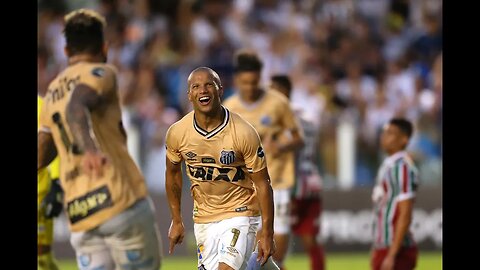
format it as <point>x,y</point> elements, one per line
<point>335,261</point>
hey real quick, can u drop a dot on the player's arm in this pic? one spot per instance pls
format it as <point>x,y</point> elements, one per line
<point>173,187</point>
<point>294,144</point>
<point>261,180</point>
<point>405,209</point>
<point>401,228</point>
<point>406,180</point>
<point>255,161</point>
<point>291,124</point>
<point>85,99</point>
<point>46,149</point>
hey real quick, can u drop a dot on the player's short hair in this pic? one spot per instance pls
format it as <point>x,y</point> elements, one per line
<point>84,31</point>
<point>283,80</point>
<point>247,60</point>
<point>405,126</point>
<point>212,72</point>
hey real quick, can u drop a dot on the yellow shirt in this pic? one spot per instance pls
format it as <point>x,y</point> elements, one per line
<point>219,164</point>
<point>45,175</point>
<point>90,201</point>
<point>272,117</point>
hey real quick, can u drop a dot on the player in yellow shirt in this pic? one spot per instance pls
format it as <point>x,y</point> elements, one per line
<point>226,165</point>
<point>270,114</point>
<point>105,195</point>
<point>45,177</point>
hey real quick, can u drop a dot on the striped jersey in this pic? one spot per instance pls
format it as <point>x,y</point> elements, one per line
<point>397,180</point>
<point>308,182</point>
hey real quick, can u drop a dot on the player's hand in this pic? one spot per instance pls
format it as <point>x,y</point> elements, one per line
<point>388,263</point>
<point>175,235</point>
<point>266,247</point>
<point>93,163</point>
<point>53,202</point>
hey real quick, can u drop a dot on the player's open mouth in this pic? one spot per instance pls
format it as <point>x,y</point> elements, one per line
<point>204,100</point>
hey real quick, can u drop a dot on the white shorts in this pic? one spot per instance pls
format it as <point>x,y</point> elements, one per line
<point>230,241</point>
<point>281,204</point>
<point>129,240</point>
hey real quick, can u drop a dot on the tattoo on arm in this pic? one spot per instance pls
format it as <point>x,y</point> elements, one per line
<point>46,150</point>
<point>82,102</point>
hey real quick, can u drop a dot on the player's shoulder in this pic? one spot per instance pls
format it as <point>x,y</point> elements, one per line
<point>276,97</point>
<point>238,120</point>
<point>231,101</point>
<point>98,70</point>
<point>405,159</point>
<point>242,126</point>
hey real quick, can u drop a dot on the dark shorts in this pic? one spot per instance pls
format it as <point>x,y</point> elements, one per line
<point>306,216</point>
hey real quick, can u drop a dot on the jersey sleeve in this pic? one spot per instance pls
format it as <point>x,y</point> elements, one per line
<point>172,145</point>
<point>101,78</point>
<point>252,149</point>
<point>43,123</point>
<point>406,177</point>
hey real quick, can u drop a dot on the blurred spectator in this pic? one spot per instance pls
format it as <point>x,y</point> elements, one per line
<point>357,89</point>
<point>365,59</point>
<point>400,88</point>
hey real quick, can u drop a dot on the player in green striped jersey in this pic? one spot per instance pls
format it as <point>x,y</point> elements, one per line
<point>393,196</point>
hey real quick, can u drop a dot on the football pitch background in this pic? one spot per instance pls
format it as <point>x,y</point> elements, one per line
<point>335,261</point>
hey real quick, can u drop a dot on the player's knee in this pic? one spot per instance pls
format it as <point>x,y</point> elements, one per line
<point>308,242</point>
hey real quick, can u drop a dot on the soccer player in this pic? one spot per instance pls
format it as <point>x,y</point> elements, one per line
<point>106,199</point>
<point>270,114</point>
<point>230,184</point>
<point>306,194</point>
<point>393,197</point>
<point>46,177</point>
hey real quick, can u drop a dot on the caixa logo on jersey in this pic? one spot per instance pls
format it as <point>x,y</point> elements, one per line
<point>227,157</point>
<point>213,173</point>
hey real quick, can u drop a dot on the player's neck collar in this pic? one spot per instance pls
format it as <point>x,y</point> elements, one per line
<point>216,130</point>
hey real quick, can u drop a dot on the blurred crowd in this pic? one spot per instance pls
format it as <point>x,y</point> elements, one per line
<point>362,61</point>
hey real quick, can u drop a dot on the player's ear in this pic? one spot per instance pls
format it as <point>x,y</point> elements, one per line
<point>189,94</point>
<point>220,91</point>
